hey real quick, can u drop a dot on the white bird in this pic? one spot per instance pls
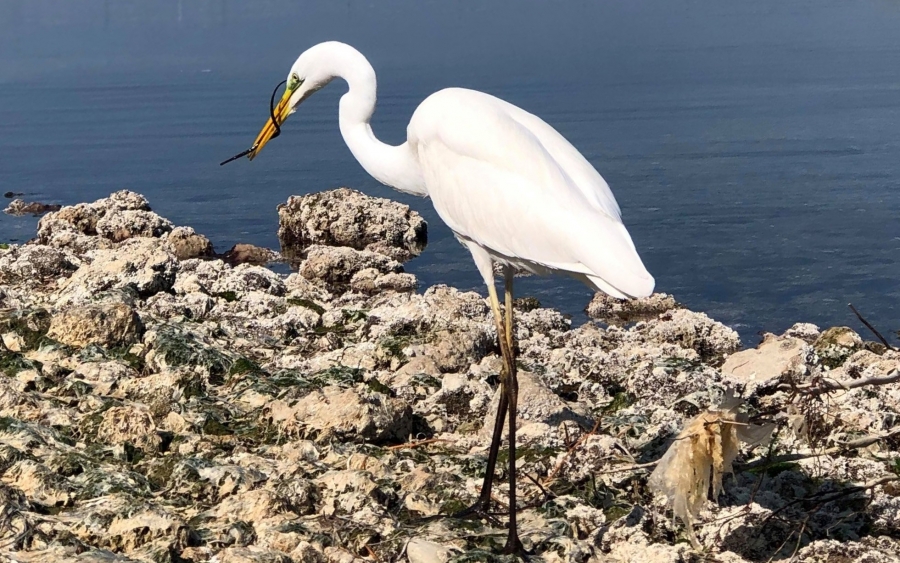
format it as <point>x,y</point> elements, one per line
<point>509,186</point>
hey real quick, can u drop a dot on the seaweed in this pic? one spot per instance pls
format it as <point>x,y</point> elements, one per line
<point>311,305</point>
<point>179,348</point>
<point>31,325</point>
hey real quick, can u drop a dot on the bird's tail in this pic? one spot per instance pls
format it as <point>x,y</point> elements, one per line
<point>617,269</point>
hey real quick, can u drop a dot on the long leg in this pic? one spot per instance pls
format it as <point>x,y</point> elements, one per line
<point>513,543</point>
<point>484,499</point>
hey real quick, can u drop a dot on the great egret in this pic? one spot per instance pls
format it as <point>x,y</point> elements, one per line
<point>511,188</point>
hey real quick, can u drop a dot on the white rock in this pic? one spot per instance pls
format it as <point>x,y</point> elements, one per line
<point>419,550</point>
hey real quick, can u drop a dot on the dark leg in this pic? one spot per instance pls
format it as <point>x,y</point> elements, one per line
<point>513,543</point>
<point>484,500</point>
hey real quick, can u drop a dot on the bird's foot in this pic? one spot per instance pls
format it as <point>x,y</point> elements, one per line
<point>478,510</point>
<point>514,546</point>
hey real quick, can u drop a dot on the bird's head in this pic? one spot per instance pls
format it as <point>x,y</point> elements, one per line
<point>311,72</point>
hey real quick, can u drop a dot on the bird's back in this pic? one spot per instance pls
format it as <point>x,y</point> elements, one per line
<point>506,180</point>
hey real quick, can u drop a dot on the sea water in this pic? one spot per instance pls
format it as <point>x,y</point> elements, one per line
<point>754,147</point>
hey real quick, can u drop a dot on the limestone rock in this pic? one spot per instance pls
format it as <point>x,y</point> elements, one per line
<point>345,217</point>
<point>537,404</point>
<point>370,280</point>
<point>36,263</point>
<point>129,424</point>
<point>125,224</point>
<point>246,278</point>
<point>20,207</point>
<point>836,344</point>
<point>108,324</point>
<point>249,254</point>
<point>142,265</point>
<point>458,348</point>
<point>138,526</point>
<point>806,332</point>
<point>618,311</point>
<point>709,338</point>
<point>252,554</point>
<point>881,549</point>
<point>39,484</point>
<point>83,217</point>
<point>419,550</point>
<point>777,358</point>
<point>187,244</point>
<point>347,413</point>
<point>337,266</point>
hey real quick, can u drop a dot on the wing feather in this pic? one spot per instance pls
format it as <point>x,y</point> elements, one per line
<point>493,180</point>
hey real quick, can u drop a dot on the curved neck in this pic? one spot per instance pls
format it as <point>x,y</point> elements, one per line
<point>397,166</point>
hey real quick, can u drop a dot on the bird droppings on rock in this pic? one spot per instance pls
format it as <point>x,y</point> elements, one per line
<point>159,404</point>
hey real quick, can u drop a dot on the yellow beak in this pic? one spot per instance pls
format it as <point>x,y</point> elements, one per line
<point>272,129</point>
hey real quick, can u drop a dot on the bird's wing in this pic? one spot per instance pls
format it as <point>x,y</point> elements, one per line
<point>495,182</point>
<point>582,173</point>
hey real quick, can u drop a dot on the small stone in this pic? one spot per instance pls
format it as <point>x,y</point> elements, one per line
<point>249,254</point>
<point>419,550</point>
<point>129,424</point>
<point>537,404</point>
<point>370,280</point>
<point>346,413</point>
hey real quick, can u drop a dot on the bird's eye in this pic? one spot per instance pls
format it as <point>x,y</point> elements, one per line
<point>295,81</point>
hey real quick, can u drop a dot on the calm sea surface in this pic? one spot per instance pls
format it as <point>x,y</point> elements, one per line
<point>754,147</point>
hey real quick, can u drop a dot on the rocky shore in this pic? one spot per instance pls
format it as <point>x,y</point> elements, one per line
<point>162,403</point>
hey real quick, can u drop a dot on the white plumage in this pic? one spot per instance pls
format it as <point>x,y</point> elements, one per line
<point>505,181</point>
<point>511,188</point>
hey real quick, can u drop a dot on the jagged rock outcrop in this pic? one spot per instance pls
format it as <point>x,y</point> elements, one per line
<point>345,217</point>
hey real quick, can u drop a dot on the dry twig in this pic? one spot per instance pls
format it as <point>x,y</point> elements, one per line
<point>846,446</point>
<point>417,444</point>
<point>870,327</point>
<point>562,461</point>
<point>825,385</point>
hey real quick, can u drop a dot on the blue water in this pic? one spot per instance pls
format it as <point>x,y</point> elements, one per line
<point>754,147</point>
